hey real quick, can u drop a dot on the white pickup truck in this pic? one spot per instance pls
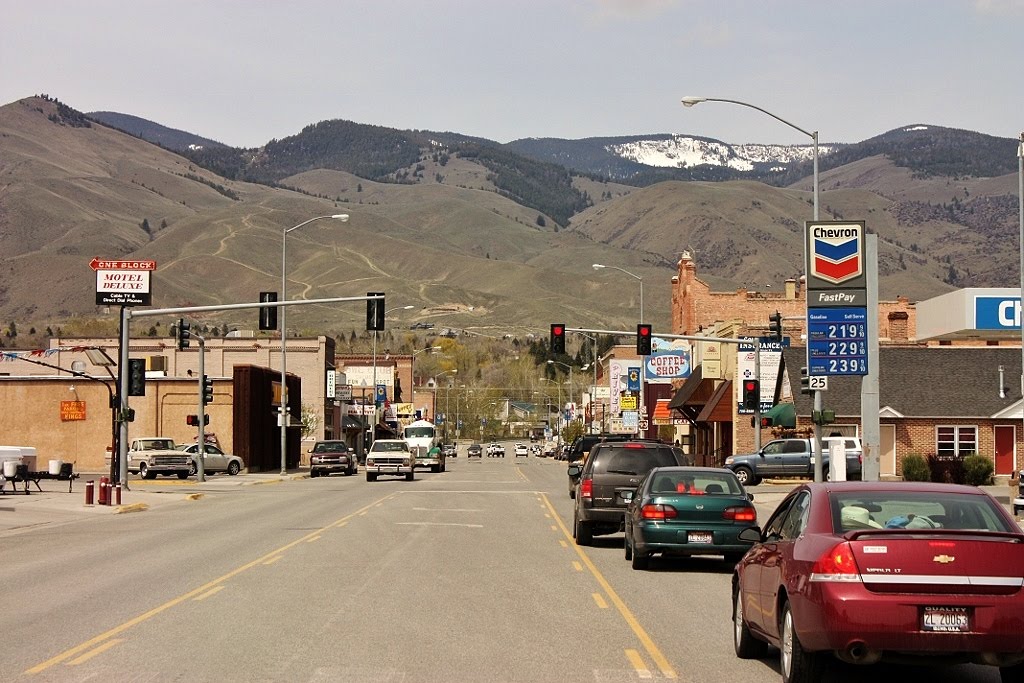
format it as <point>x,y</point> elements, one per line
<point>153,455</point>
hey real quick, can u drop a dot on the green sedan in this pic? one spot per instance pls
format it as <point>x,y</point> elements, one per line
<point>688,511</point>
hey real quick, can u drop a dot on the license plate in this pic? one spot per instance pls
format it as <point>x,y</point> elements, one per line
<point>699,537</point>
<point>946,619</point>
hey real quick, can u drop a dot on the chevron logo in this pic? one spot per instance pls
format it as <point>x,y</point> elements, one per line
<point>836,253</point>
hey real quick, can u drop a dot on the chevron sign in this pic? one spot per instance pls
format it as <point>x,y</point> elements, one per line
<point>835,252</point>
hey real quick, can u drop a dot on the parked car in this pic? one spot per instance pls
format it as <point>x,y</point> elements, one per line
<point>522,450</point>
<point>1018,502</point>
<point>608,480</point>
<point>214,460</point>
<point>450,450</point>
<point>153,455</point>
<point>688,511</point>
<point>550,449</point>
<point>872,571</point>
<point>475,450</point>
<point>327,457</point>
<point>536,451</point>
<point>793,458</point>
<point>390,457</point>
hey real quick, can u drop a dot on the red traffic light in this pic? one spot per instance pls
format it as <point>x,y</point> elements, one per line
<point>557,330</point>
<point>750,385</point>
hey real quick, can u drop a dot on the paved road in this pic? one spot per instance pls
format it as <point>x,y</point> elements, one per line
<point>468,575</point>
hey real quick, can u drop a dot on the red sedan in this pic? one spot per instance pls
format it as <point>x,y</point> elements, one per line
<point>867,571</point>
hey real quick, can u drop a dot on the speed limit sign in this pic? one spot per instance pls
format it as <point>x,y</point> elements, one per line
<point>817,383</point>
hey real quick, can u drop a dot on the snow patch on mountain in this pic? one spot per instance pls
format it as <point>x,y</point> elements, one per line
<point>681,151</point>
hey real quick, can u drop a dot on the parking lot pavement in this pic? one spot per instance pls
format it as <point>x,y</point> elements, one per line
<point>55,505</point>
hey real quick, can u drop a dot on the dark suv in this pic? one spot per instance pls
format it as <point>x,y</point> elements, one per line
<point>608,480</point>
<point>579,449</point>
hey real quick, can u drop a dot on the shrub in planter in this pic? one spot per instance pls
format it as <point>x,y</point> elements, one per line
<point>946,469</point>
<point>978,470</point>
<point>915,468</point>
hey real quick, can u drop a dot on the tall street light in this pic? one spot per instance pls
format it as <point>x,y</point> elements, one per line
<point>689,102</point>
<point>283,412</point>
<point>593,389</point>
<point>569,368</point>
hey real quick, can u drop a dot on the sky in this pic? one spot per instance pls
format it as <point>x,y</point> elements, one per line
<point>244,72</point>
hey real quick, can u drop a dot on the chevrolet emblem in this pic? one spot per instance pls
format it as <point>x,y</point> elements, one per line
<point>943,559</point>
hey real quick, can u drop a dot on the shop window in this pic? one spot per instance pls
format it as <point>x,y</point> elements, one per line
<point>956,440</point>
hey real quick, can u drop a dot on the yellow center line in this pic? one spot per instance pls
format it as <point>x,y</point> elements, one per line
<point>600,601</point>
<point>563,543</point>
<point>273,559</point>
<point>271,556</point>
<point>645,639</point>
<point>638,664</point>
<point>100,650</point>
<point>315,538</point>
<point>208,593</point>
<point>577,566</point>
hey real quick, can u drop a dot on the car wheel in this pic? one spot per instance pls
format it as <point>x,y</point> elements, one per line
<point>313,474</point>
<point>744,642</point>
<point>234,468</point>
<point>584,534</point>
<point>640,560</point>
<point>745,475</point>
<point>1011,674</point>
<point>572,493</point>
<point>193,468</point>
<point>371,476</point>
<point>183,475</point>
<point>145,473</point>
<point>410,476</point>
<point>798,665</point>
<point>435,468</point>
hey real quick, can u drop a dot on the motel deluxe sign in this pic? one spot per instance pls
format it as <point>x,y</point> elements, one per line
<point>122,283</point>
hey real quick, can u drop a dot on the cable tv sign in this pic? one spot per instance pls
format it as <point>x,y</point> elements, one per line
<point>997,312</point>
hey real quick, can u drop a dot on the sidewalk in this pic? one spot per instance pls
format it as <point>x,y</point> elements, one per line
<point>55,505</point>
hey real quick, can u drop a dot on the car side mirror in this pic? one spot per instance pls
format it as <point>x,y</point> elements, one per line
<point>574,470</point>
<point>750,496</point>
<point>750,534</point>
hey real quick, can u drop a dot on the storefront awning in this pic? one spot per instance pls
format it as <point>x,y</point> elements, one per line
<point>782,415</point>
<point>719,407</point>
<point>351,423</point>
<point>662,415</point>
<point>688,390</point>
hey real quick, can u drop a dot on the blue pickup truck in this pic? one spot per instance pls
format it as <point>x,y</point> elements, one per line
<point>786,458</point>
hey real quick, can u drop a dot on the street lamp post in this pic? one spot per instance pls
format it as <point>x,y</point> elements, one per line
<point>593,389</point>
<point>283,412</point>
<point>689,102</point>
<point>642,406</point>
<point>559,385</point>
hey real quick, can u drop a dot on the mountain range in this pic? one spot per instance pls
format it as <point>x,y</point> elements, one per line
<point>494,238</point>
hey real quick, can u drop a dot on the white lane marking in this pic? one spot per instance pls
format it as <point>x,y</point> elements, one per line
<point>448,509</point>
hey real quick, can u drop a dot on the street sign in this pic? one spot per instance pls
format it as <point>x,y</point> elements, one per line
<point>817,383</point>
<point>122,283</point>
<point>837,341</point>
<point>641,425</point>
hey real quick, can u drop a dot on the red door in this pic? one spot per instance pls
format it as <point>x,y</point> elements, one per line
<point>1005,442</point>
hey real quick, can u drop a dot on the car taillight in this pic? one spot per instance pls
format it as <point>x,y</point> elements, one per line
<point>634,445</point>
<point>837,564</point>
<point>659,511</point>
<point>587,488</point>
<point>740,514</point>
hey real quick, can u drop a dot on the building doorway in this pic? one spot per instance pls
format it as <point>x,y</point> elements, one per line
<point>1006,443</point>
<point>887,448</point>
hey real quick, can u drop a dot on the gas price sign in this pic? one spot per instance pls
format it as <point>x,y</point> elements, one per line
<point>837,343</point>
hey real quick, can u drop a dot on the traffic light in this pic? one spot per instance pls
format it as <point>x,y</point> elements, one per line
<point>207,390</point>
<point>136,376</point>
<point>751,394</point>
<point>765,422</point>
<point>775,326</point>
<point>193,420</point>
<point>183,334</point>
<point>557,338</point>
<point>375,312</point>
<point>268,315</point>
<point>805,381</point>
<point>643,339</point>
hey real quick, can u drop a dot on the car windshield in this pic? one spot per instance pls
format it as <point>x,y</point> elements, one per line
<point>389,446</point>
<point>330,447</point>
<point>418,432</point>
<point>159,445</point>
<point>696,483</point>
<point>904,509</point>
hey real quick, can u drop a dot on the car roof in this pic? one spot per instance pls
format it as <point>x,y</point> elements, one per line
<point>882,486</point>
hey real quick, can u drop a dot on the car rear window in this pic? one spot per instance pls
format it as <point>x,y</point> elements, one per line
<point>915,510</point>
<point>697,484</point>
<point>634,459</point>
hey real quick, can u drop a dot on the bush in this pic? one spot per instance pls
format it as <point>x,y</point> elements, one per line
<point>978,470</point>
<point>946,469</point>
<point>915,468</point>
